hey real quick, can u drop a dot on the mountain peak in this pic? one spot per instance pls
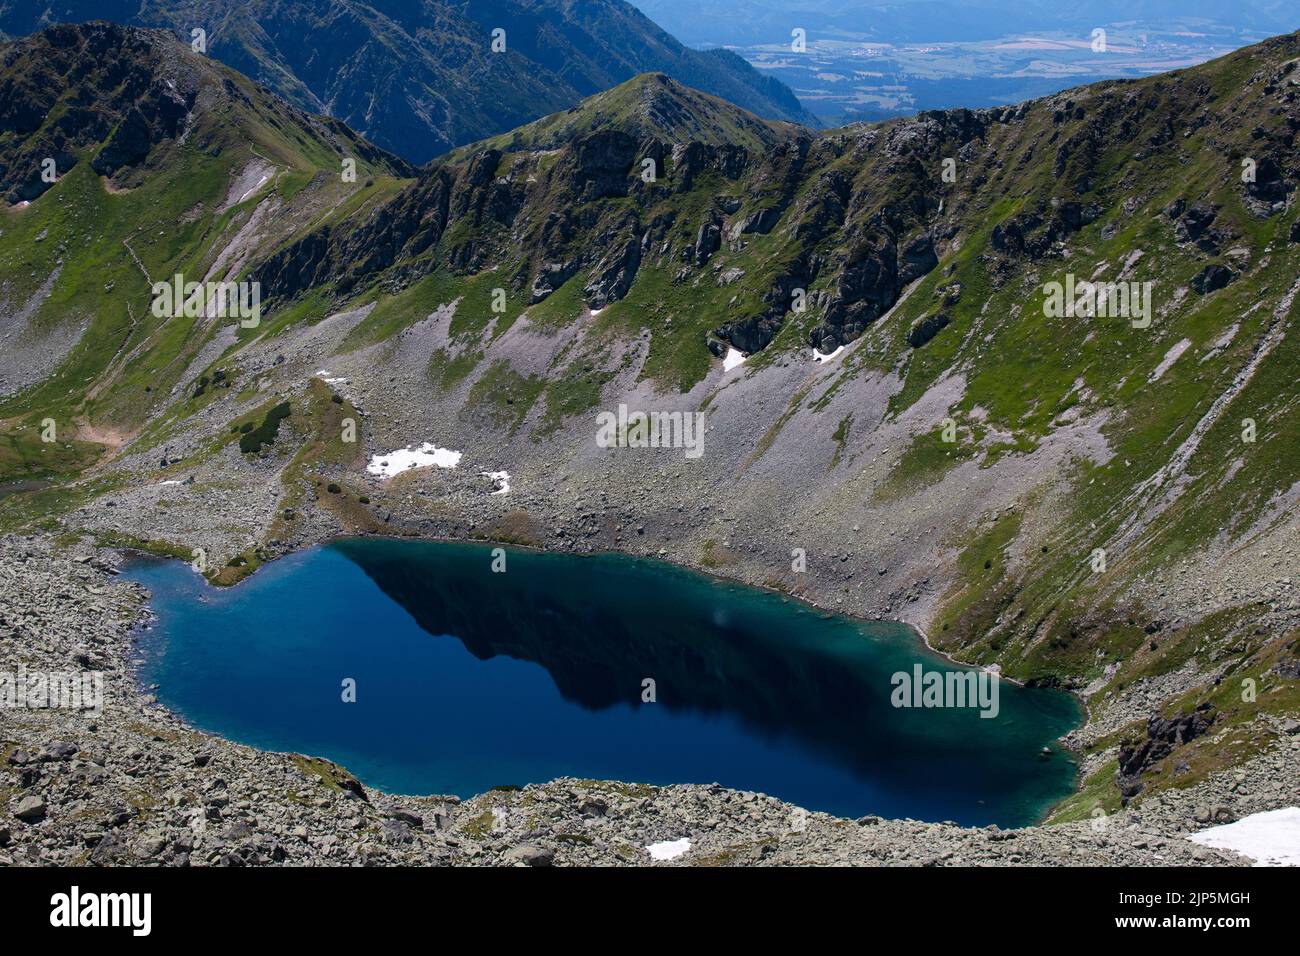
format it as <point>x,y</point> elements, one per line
<point>111,94</point>
<point>650,106</point>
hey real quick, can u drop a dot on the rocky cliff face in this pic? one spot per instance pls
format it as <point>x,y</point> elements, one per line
<point>854,216</point>
<point>124,102</point>
<point>547,203</point>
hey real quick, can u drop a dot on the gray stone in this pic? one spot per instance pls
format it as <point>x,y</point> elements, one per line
<point>30,809</point>
<point>530,855</point>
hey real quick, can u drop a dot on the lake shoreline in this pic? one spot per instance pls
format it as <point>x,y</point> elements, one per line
<point>1064,740</point>
<point>270,808</point>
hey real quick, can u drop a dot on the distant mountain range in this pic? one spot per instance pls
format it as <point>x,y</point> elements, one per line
<point>419,77</point>
<point>752,22</point>
<point>871,60</point>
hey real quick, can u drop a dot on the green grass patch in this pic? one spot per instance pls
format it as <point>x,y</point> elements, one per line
<point>251,442</point>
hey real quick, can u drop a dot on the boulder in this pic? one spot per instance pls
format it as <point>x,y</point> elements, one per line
<point>1212,278</point>
<point>407,817</point>
<point>31,809</point>
<point>530,855</point>
<point>550,277</point>
<point>923,330</point>
<point>707,241</point>
<point>1194,221</point>
<point>1163,736</point>
<point>613,275</point>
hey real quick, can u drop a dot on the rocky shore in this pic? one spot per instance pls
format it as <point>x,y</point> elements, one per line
<point>134,784</point>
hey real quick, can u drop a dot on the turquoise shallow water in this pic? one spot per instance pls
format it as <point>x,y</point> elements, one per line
<point>468,679</point>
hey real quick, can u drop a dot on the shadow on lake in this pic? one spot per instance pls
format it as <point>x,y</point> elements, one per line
<point>469,678</point>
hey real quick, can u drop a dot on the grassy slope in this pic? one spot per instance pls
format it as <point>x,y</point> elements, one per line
<point>172,222</point>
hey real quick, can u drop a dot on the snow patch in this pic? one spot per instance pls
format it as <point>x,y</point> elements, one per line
<point>733,359</point>
<point>823,357</point>
<point>385,466</point>
<point>1271,838</point>
<point>257,172</point>
<point>260,183</point>
<point>669,849</point>
<point>500,479</point>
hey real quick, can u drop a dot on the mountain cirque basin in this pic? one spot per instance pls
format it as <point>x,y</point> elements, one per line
<point>468,679</point>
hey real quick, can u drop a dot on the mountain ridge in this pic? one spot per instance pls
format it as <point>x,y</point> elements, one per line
<point>418,77</point>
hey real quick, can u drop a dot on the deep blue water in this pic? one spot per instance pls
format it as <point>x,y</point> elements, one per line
<point>468,679</point>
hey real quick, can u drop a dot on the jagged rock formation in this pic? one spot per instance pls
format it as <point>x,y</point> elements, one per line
<point>1163,735</point>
